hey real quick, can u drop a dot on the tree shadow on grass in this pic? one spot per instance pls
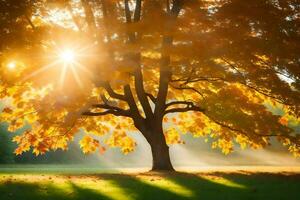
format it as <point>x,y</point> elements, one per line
<point>137,189</point>
<point>34,191</point>
<point>210,187</point>
<point>81,193</point>
<point>254,186</point>
<point>268,185</point>
<point>165,186</point>
<point>27,191</point>
<point>161,186</point>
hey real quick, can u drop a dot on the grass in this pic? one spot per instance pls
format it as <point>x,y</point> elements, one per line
<point>47,184</point>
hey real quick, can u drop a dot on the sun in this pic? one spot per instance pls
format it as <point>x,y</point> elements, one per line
<point>67,56</point>
<point>11,65</point>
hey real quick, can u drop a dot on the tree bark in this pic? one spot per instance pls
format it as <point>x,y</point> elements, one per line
<point>161,157</point>
<point>160,150</point>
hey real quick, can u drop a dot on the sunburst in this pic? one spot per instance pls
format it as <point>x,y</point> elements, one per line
<point>68,59</point>
<point>67,56</point>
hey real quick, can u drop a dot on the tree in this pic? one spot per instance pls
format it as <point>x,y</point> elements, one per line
<point>6,147</point>
<point>164,68</point>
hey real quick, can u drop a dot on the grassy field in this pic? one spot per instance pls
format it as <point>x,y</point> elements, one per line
<point>40,182</point>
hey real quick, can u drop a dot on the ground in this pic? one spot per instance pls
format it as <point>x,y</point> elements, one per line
<point>57,183</point>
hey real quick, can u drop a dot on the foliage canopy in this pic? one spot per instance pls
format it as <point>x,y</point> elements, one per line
<point>205,67</point>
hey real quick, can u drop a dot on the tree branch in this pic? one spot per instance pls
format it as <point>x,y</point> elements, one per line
<point>109,110</point>
<point>238,130</point>
<point>131,102</point>
<point>106,106</point>
<point>188,88</point>
<point>168,6</point>
<point>75,20</point>
<point>137,11</point>
<point>113,112</point>
<point>179,103</point>
<point>265,94</point>
<point>190,80</point>
<point>127,11</point>
<point>111,92</point>
<point>165,72</point>
<point>189,107</point>
<point>136,59</point>
<point>89,16</point>
<point>140,91</point>
<point>153,99</point>
<point>244,82</point>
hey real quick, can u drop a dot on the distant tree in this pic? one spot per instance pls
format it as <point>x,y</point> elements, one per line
<point>160,67</point>
<point>6,147</point>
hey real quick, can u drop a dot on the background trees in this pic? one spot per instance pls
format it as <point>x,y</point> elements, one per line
<point>73,156</point>
<point>208,68</point>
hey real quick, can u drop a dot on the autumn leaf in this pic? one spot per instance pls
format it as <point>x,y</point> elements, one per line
<point>283,121</point>
<point>88,144</point>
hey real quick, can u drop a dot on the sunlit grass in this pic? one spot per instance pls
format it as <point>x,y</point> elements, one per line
<point>223,181</point>
<point>166,184</point>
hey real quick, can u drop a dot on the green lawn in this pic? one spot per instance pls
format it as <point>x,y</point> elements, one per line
<point>30,185</point>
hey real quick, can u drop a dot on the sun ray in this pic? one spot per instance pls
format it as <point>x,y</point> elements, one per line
<point>66,59</point>
<point>84,49</point>
<point>83,68</point>
<point>63,75</point>
<point>44,68</point>
<point>75,74</point>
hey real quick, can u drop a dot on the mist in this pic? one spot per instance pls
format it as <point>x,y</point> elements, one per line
<point>193,154</point>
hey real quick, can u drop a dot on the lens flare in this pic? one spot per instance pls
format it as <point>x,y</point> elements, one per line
<point>67,56</point>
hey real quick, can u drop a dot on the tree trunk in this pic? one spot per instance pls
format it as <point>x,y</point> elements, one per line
<point>160,151</point>
<point>161,157</point>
